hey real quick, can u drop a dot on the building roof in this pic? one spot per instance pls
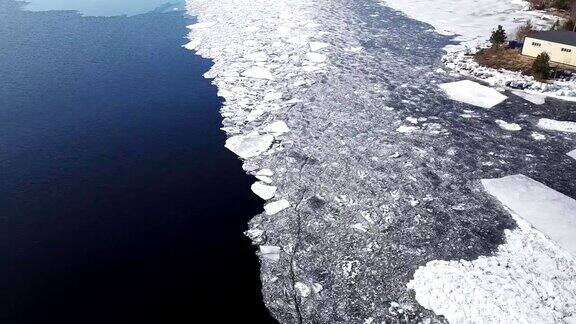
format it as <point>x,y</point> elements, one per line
<point>557,36</point>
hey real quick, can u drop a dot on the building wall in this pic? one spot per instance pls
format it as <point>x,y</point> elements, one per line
<point>555,51</point>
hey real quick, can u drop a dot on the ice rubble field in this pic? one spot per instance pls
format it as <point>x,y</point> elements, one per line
<point>371,175</point>
<point>471,22</point>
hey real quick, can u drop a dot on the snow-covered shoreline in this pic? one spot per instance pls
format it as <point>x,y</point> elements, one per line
<point>471,25</point>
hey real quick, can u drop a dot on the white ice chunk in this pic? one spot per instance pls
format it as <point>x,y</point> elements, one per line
<point>407,129</point>
<point>277,128</point>
<point>258,72</point>
<point>537,136</point>
<point>316,46</point>
<point>508,126</point>
<point>270,252</point>
<point>473,93</point>
<point>572,154</point>
<point>257,57</point>
<point>532,97</point>
<point>264,179</point>
<point>250,145</point>
<point>316,57</point>
<point>263,190</point>
<point>303,289</point>
<point>271,96</point>
<point>276,207</point>
<point>265,172</point>
<point>557,125</point>
<point>549,211</point>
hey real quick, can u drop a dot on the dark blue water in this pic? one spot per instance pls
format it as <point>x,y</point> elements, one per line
<point>118,202</point>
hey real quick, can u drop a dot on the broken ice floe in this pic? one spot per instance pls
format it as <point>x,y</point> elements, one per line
<point>302,288</point>
<point>258,73</point>
<point>473,93</point>
<point>557,125</point>
<point>407,129</point>
<point>530,279</point>
<point>536,99</point>
<point>263,190</point>
<point>270,252</point>
<point>572,154</point>
<point>316,46</point>
<point>277,128</point>
<point>276,207</point>
<point>549,211</point>
<point>538,136</point>
<point>508,126</point>
<point>250,145</point>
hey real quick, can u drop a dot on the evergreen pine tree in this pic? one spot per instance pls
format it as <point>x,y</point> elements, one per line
<point>498,36</point>
<point>541,66</point>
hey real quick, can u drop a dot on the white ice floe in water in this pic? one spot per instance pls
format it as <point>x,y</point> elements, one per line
<point>263,190</point>
<point>530,279</point>
<point>572,154</point>
<point>534,98</point>
<point>277,128</point>
<point>276,207</point>
<point>557,125</point>
<point>316,46</point>
<point>270,252</point>
<point>508,126</point>
<point>258,72</point>
<point>251,145</point>
<point>549,211</point>
<point>538,136</point>
<point>316,57</point>
<point>407,129</point>
<point>473,93</point>
<point>265,173</point>
<point>302,288</point>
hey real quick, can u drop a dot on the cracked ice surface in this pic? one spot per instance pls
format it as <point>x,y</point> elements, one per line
<point>379,172</point>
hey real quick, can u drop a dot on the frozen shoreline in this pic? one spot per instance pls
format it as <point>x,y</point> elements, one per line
<point>471,26</point>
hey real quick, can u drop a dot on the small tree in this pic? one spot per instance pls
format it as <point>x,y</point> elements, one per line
<point>541,66</point>
<point>498,36</point>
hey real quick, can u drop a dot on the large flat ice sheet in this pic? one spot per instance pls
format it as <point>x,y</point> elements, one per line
<point>572,154</point>
<point>549,211</point>
<point>473,93</point>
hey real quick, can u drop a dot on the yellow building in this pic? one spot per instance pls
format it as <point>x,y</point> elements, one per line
<point>559,44</point>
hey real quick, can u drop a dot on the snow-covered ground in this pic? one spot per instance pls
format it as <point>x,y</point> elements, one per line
<point>471,22</point>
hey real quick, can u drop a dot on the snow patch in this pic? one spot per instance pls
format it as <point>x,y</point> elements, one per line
<point>473,93</point>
